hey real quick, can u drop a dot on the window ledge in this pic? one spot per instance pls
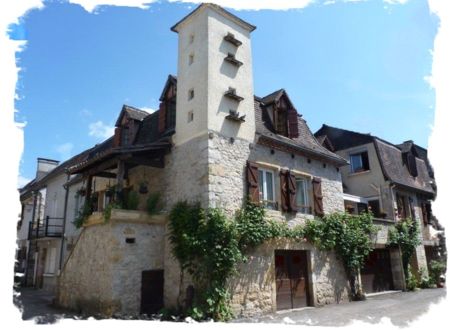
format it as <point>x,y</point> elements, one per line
<point>358,173</point>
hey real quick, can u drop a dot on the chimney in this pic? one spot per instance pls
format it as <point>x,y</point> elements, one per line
<point>44,166</point>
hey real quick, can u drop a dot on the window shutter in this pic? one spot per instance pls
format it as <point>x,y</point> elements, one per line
<point>252,182</point>
<point>318,198</point>
<point>117,137</point>
<point>292,123</point>
<point>292,185</point>
<point>162,117</point>
<point>284,190</point>
<point>424,214</point>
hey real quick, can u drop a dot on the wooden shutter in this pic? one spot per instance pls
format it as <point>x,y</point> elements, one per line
<point>292,123</point>
<point>424,213</point>
<point>318,198</point>
<point>252,182</point>
<point>162,117</point>
<point>284,190</point>
<point>117,137</point>
<point>292,185</point>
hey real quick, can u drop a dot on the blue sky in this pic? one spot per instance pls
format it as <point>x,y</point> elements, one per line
<point>359,66</point>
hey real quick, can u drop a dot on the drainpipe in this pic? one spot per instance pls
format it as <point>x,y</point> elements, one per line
<point>27,270</point>
<point>66,198</point>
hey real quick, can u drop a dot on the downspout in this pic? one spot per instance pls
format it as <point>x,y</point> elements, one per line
<point>66,198</point>
<point>30,238</point>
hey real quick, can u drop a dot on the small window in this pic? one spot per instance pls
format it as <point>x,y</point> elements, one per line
<point>374,207</point>
<point>359,162</point>
<point>190,116</point>
<point>281,122</point>
<point>267,188</point>
<point>125,135</point>
<point>191,39</point>
<point>302,195</point>
<point>191,94</point>
<point>191,59</point>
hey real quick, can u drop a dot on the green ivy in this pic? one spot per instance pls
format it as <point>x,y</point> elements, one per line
<point>83,214</point>
<point>209,246</point>
<point>154,203</point>
<point>108,209</point>
<point>405,235</point>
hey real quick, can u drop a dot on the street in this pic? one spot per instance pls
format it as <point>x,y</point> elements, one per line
<point>400,307</point>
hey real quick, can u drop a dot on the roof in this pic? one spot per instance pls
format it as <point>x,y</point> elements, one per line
<point>171,79</point>
<point>305,142</point>
<point>389,155</point>
<point>132,112</point>
<point>219,10</point>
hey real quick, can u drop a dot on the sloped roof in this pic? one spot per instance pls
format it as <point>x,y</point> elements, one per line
<point>132,112</point>
<point>389,155</point>
<point>305,141</point>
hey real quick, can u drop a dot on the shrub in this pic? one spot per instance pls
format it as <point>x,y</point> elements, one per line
<point>411,280</point>
<point>132,201</point>
<point>436,269</point>
<point>83,214</point>
<point>425,281</point>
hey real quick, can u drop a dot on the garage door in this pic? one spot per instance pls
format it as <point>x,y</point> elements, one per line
<point>291,279</point>
<point>376,275</point>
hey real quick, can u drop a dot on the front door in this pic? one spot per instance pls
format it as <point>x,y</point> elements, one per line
<point>291,279</point>
<point>152,290</point>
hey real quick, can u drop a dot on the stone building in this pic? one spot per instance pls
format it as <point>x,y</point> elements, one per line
<point>395,182</point>
<point>211,141</point>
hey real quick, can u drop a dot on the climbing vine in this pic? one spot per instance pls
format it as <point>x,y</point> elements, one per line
<point>405,235</point>
<point>209,246</point>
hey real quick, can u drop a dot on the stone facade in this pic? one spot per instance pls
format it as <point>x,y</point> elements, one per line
<point>103,273</point>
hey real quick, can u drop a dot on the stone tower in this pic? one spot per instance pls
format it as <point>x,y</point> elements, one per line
<point>215,80</point>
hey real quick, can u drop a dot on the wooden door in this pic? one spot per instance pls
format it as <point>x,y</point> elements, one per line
<point>291,279</point>
<point>376,275</point>
<point>152,291</point>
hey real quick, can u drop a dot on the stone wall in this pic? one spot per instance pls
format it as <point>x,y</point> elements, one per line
<point>103,272</point>
<point>254,288</point>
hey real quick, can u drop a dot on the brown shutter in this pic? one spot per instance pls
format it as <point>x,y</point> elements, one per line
<point>292,123</point>
<point>424,213</point>
<point>252,182</point>
<point>162,117</point>
<point>117,137</point>
<point>284,190</point>
<point>292,184</point>
<point>318,198</point>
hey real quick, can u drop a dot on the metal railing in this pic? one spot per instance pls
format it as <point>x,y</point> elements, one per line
<point>50,227</point>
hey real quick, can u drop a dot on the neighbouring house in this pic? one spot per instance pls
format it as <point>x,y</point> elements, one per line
<point>43,229</point>
<point>393,181</point>
<point>211,141</point>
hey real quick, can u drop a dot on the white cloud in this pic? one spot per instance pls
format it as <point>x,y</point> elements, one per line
<point>146,109</point>
<point>396,2</point>
<point>100,130</point>
<point>89,5</point>
<point>256,4</point>
<point>64,150</point>
<point>22,181</point>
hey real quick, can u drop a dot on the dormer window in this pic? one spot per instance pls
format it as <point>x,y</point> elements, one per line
<point>281,122</point>
<point>125,136</point>
<point>410,160</point>
<point>359,162</point>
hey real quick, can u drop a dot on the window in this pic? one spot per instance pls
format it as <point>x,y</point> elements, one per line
<point>171,113</point>
<point>191,94</point>
<point>302,196</point>
<point>266,188</point>
<point>281,122</point>
<point>191,59</point>
<point>359,162</point>
<point>190,116</point>
<point>125,136</point>
<point>374,207</point>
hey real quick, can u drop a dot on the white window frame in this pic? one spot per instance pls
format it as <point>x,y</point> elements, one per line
<point>305,209</point>
<point>263,194</point>
<point>360,159</point>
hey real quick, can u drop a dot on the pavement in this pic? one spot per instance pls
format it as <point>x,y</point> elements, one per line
<point>401,307</point>
<point>37,305</point>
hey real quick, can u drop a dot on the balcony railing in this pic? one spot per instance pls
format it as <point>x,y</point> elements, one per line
<point>50,227</point>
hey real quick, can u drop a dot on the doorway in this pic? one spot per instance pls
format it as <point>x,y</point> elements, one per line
<point>291,273</point>
<point>152,291</point>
